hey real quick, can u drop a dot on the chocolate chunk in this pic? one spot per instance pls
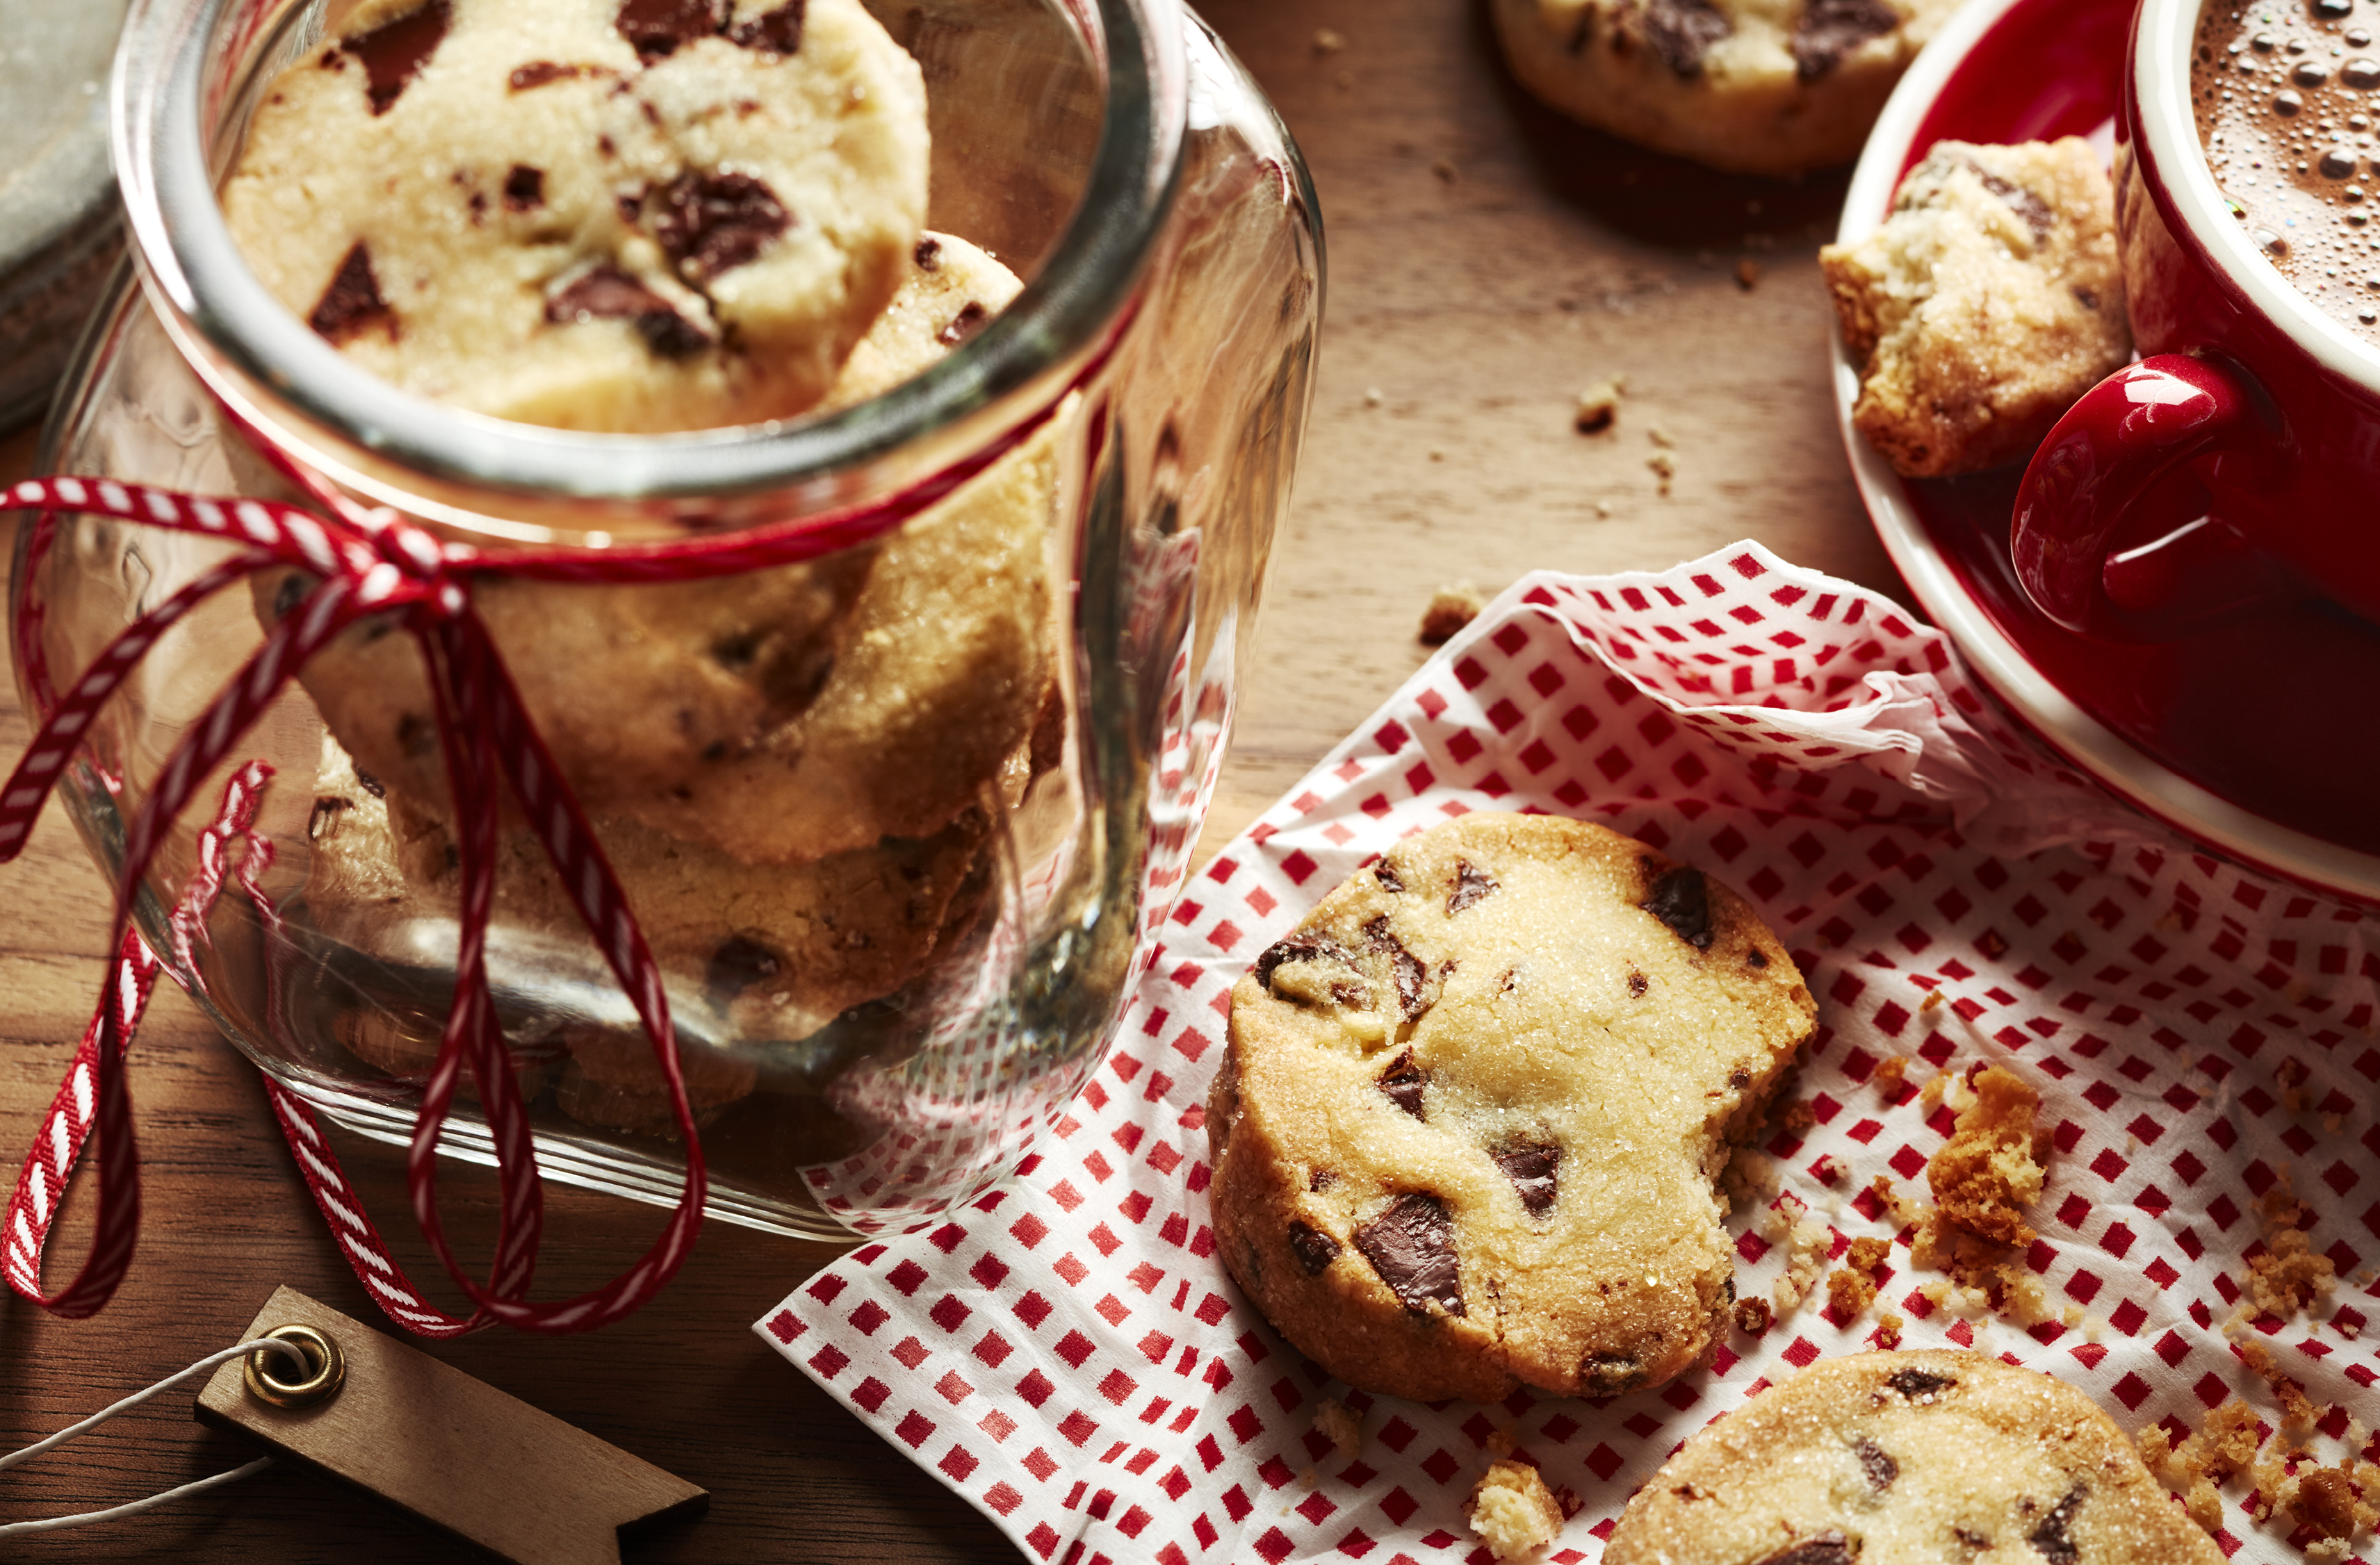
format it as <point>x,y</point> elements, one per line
<point>524,188</point>
<point>1320,1179</point>
<point>1610,1374</point>
<point>1829,1548</point>
<point>608,294</point>
<point>1404,1081</point>
<point>1410,974</point>
<point>1532,1166</point>
<point>709,223</point>
<point>1878,1463</point>
<point>539,73</point>
<point>736,966</point>
<point>928,254</point>
<point>393,53</point>
<point>1918,1385</point>
<point>965,324</point>
<point>326,810</point>
<point>372,785</point>
<point>655,28</point>
<point>1300,947</point>
<point>1386,874</point>
<point>1470,886</point>
<point>1682,31</point>
<point>351,304</point>
<point>2087,297</point>
<point>1970,1539</point>
<point>2054,1538</point>
<point>1827,30</point>
<point>1681,900</point>
<point>775,32</point>
<point>1756,958</point>
<point>1637,983</point>
<point>1315,1249</point>
<point>2023,203</point>
<point>1411,1245</point>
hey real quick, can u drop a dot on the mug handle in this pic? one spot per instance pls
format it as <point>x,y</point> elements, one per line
<point>2089,478</point>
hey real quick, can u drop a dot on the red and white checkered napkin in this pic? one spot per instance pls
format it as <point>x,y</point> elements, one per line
<point>1069,1354</point>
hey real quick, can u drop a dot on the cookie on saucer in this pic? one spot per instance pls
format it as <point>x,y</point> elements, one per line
<point>1933,1455</point>
<point>1465,1131</point>
<point>1987,303</point>
<point>1752,86</point>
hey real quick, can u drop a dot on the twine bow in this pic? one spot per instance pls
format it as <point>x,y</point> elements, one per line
<point>369,561</point>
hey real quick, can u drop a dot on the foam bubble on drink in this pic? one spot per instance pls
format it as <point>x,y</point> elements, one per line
<point>2287,97</point>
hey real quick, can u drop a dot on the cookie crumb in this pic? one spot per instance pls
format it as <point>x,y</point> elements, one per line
<point>1513,1510</point>
<point>1660,437</point>
<point>1450,608</point>
<point>1342,1425</point>
<point>2290,1275</point>
<point>1329,41</point>
<point>1985,1174</point>
<point>1805,1254</point>
<point>1372,396</point>
<point>1444,169</point>
<point>2298,1414</point>
<point>1891,1074</point>
<point>1852,1287</point>
<point>1747,274</point>
<point>1798,1116</point>
<point>1903,1212</point>
<point>1888,1330</point>
<point>1598,406</point>
<point>1754,1317</point>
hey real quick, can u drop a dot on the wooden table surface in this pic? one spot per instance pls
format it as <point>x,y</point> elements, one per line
<point>1486,262</point>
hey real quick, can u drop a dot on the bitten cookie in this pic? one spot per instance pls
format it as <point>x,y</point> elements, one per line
<point>1754,86</point>
<point>648,216</point>
<point>1908,1456</point>
<point>776,716</point>
<point>1466,1129</point>
<point>1987,304</point>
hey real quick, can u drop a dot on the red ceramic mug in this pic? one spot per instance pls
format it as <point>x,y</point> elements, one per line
<point>2238,463</point>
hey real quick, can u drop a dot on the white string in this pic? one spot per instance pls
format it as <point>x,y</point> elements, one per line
<point>50,1523</point>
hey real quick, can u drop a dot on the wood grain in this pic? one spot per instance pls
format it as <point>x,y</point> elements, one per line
<point>1486,262</point>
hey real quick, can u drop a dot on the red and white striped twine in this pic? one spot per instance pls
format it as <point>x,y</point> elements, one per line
<point>368,561</point>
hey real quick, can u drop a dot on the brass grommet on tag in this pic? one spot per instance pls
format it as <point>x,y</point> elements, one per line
<point>269,1377</point>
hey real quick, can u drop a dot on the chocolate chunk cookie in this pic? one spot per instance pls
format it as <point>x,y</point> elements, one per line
<point>658,215</point>
<point>1908,1456</point>
<point>1754,86</point>
<point>778,716</point>
<point>1466,1129</point>
<point>1990,299</point>
<point>751,954</point>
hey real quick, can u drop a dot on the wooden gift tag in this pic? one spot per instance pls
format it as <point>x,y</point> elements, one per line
<point>455,1451</point>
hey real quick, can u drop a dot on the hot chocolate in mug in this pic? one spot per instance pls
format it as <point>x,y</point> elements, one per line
<point>2237,465</point>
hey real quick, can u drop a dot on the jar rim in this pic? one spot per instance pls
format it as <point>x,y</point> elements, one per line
<point>275,371</point>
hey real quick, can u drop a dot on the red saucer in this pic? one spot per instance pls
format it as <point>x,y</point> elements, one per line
<point>2260,739</point>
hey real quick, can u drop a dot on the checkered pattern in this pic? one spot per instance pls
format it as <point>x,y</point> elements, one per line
<point>1068,1354</point>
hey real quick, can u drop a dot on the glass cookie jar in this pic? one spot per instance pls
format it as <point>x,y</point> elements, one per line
<point>896,896</point>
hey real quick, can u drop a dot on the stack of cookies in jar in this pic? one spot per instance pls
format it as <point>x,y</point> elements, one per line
<point>644,219</point>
